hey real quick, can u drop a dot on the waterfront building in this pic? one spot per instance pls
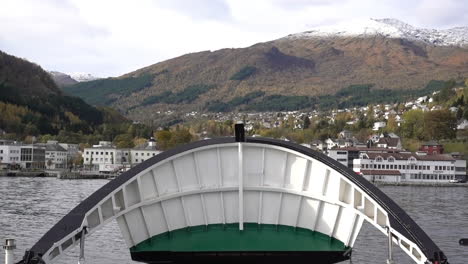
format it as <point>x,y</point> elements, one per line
<point>105,157</point>
<point>9,154</point>
<point>346,156</point>
<point>411,167</point>
<point>32,156</point>
<point>144,152</point>
<point>16,155</point>
<point>55,156</point>
<point>73,150</point>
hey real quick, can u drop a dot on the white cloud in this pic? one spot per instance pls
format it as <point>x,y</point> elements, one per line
<point>107,37</point>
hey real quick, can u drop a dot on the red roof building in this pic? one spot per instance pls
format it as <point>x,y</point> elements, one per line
<point>432,148</point>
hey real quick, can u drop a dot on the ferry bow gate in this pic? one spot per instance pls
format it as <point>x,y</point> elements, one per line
<point>238,199</point>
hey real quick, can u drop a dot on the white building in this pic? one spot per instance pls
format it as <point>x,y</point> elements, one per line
<point>32,156</point>
<point>330,143</point>
<point>55,156</point>
<point>144,152</point>
<point>389,142</point>
<point>379,125</point>
<point>463,125</point>
<point>9,154</point>
<point>105,157</point>
<point>73,150</point>
<point>408,167</point>
<point>346,155</point>
<point>17,155</point>
<point>346,134</point>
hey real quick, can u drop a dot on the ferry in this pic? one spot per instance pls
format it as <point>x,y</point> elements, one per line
<point>238,200</point>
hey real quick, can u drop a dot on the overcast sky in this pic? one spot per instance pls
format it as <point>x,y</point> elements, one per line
<point>113,37</point>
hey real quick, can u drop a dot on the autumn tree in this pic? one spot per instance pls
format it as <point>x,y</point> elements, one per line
<point>413,124</point>
<point>440,124</point>
<point>124,141</point>
<point>392,125</point>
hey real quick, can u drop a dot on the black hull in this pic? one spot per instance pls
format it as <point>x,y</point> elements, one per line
<point>319,257</point>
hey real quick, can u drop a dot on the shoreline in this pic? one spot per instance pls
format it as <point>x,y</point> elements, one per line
<point>62,175</point>
<point>421,184</point>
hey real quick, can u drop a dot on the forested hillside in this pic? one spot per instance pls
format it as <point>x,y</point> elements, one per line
<point>32,104</point>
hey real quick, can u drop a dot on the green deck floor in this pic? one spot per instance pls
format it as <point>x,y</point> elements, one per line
<point>228,237</point>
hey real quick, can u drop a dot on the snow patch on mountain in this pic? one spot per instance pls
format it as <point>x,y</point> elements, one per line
<point>83,77</point>
<point>390,28</point>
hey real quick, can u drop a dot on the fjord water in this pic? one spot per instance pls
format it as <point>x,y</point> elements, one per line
<point>30,206</point>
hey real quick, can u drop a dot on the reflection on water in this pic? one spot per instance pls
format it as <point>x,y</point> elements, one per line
<point>30,206</point>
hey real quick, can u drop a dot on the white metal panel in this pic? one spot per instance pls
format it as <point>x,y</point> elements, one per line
<point>133,193</point>
<point>326,222</point>
<point>155,219</point>
<point>107,209</point>
<point>308,214</point>
<point>295,172</point>
<point>166,181</point>
<point>275,166</point>
<point>289,209</point>
<point>317,177</point>
<point>229,165</point>
<point>307,176</point>
<point>345,224</point>
<point>213,208</point>
<point>194,209</point>
<point>270,207</point>
<point>125,231</point>
<point>251,207</point>
<point>231,203</point>
<point>369,208</point>
<point>186,172</point>
<point>207,161</point>
<point>346,193</point>
<point>148,187</point>
<point>137,226</point>
<point>93,219</point>
<point>174,213</point>
<point>253,166</point>
<point>357,226</point>
<point>333,186</point>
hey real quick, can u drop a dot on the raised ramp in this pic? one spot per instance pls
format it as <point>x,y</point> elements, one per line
<point>222,198</point>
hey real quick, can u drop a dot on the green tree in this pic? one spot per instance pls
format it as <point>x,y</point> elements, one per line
<point>459,113</point>
<point>392,125</point>
<point>163,138</point>
<point>180,137</point>
<point>124,141</point>
<point>440,124</point>
<point>306,122</point>
<point>413,124</point>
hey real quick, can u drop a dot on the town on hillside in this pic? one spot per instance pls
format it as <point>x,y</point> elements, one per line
<point>365,139</point>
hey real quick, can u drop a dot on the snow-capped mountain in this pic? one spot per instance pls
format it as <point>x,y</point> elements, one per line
<point>62,79</point>
<point>83,77</point>
<point>391,28</point>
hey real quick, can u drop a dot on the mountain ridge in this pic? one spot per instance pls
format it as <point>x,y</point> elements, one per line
<point>392,28</point>
<point>290,68</point>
